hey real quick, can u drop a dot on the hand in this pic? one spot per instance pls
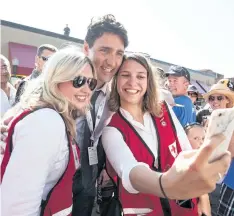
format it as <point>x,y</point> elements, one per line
<point>204,205</point>
<point>192,175</point>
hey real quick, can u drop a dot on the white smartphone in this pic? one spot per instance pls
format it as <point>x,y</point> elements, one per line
<point>221,121</point>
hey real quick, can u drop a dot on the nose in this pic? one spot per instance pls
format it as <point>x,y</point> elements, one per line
<point>111,60</point>
<point>132,80</point>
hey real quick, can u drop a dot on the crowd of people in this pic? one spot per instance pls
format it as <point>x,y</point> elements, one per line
<point>99,133</point>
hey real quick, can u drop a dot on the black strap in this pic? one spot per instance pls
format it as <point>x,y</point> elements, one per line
<point>93,101</point>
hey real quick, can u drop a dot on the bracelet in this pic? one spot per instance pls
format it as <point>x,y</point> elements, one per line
<point>161,187</point>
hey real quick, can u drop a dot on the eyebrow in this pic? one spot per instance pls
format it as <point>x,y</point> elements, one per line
<point>139,72</point>
<point>110,48</point>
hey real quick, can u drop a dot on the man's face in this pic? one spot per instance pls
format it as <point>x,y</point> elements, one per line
<point>5,71</point>
<point>107,55</point>
<point>193,96</point>
<point>177,85</point>
<point>42,59</point>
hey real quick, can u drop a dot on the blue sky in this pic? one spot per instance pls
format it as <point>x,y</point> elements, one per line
<point>198,34</point>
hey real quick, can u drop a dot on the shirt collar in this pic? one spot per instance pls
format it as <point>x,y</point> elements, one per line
<point>105,88</point>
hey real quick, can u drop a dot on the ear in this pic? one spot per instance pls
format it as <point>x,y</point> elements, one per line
<point>37,58</point>
<point>186,83</point>
<point>86,48</point>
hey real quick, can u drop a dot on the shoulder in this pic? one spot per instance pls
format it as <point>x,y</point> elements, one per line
<point>111,133</point>
<point>43,119</point>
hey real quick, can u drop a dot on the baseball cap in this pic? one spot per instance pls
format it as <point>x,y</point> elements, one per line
<point>178,71</point>
<point>192,88</point>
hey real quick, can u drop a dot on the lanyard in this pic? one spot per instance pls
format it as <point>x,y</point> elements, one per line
<point>98,117</point>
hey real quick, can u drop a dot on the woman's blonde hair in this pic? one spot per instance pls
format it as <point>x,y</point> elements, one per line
<point>151,101</point>
<point>61,67</point>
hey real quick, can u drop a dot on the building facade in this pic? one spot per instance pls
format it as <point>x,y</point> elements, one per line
<point>19,44</point>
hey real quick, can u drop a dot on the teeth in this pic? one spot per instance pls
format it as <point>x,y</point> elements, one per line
<point>107,69</point>
<point>81,98</point>
<point>131,91</point>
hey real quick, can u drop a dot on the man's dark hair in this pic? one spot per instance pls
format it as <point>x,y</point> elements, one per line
<point>46,47</point>
<point>105,24</point>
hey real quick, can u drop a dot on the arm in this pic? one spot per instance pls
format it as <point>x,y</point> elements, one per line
<point>38,140</point>
<point>122,161</point>
<point>204,205</point>
<point>189,168</point>
<point>182,137</point>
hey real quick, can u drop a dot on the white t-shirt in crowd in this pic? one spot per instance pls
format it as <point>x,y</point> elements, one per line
<point>38,160</point>
<point>119,154</point>
<point>5,102</point>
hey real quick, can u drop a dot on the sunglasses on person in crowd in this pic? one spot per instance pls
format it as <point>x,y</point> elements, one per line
<point>79,81</point>
<point>192,94</point>
<point>213,98</point>
<point>188,126</point>
<point>44,58</point>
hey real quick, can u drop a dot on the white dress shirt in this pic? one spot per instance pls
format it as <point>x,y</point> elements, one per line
<point>119,154</point>
<point>102,115</point>
<point>38,160</point>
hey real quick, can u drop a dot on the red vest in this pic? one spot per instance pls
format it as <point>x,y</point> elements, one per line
<point>168,149</point>
<point>59,199</point>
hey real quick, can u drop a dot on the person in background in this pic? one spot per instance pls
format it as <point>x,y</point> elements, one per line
<point>143,147</point>
<point>67,30</point>
<point>220,96</point>
<point>226,198</point>
<point>178,82</point>
<point>196,136</point>
<point>37,176</point>
<point>8,92</point>
<point>43,54</point>
<point>193,94</point>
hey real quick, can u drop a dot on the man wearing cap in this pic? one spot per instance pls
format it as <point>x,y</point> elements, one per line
<point>178,82</point>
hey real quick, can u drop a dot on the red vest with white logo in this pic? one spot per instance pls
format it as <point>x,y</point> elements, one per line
<point>168,149</point>
<point>59,199</point>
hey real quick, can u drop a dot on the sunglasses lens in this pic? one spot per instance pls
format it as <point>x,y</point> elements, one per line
<point>211,98</point>
<point>79,81</point>
<point>92,83</point>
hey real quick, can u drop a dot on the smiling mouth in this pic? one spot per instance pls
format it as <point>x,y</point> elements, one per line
<point>81,98</point>
<point>132,91</point>
<point>107,69</point>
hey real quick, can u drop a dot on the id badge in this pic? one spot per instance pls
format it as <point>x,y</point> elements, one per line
<point>93,158</point>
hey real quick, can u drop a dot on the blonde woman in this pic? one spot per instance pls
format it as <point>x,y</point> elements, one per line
<point>142,144</point>
<point>37,173</point>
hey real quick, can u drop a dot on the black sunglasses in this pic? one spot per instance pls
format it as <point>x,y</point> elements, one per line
<point>212,98</point>
<point>192,94</point>
<point>44,58</point>
<point>81,80</point>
